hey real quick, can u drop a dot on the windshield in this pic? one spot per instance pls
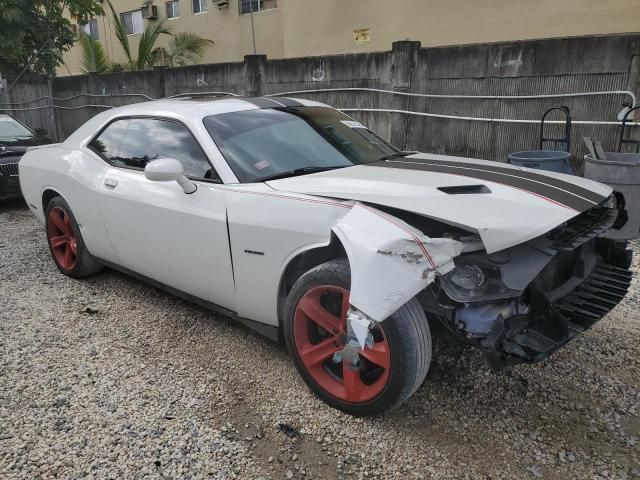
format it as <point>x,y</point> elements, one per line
<point>12,130</point>
<point>261,144</point>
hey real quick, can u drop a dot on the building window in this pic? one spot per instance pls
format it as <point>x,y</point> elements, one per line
<point>248,6</point>
<point>91,28</point>
<point>199,6</point>
<point>173,9</point>
<point>132,22</point>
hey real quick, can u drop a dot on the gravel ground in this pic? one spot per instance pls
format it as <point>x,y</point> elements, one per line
<point>110,378</point>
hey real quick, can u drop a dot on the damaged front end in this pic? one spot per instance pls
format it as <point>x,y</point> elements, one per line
<point>391,262</point>
<point>523,303</point>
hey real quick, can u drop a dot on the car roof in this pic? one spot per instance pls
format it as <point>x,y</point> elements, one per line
<point>194,108</point>
<point>206,106</point>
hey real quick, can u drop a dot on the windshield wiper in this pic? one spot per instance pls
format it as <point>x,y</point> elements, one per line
<point>297,171</point>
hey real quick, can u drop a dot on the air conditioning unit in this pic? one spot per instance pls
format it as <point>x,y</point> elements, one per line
<point>222,4</point>
<point>150,12</point>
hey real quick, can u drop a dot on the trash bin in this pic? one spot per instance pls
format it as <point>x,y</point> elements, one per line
<point>621,171</point>
<point>554,161</point>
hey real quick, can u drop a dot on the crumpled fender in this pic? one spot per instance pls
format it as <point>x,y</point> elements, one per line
<point>390,260</point>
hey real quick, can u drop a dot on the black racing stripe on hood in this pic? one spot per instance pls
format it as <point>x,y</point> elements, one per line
<point>539,177</point>
<point>549,192</point>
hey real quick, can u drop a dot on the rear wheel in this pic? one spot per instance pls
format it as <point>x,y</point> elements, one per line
<point>315,328</point>
<point>65,241</point>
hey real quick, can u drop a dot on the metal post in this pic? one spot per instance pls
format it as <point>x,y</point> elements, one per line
<point>3,92</point>
<point>253,28</point>
<point>404,56</point>
<point>633,85</point>
<point>253,69</point>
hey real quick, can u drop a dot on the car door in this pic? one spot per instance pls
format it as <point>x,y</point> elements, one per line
<point>156,229</point>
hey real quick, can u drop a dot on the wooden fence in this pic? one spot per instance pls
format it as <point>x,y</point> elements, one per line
<point>473,108</point>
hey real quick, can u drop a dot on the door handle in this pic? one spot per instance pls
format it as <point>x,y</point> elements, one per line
<point>111,182</point>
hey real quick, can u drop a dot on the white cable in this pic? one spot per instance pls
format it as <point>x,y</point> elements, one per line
<point>477,97</point>
<point>374,110</point>
<point>110,95</point>
<point>481,119</point>
<point>53,106</point>
<point>59,99</point>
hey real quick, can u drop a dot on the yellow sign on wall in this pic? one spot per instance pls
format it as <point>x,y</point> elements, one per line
<point>361,35</point>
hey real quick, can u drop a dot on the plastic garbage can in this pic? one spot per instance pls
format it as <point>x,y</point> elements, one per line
<point>551,160</point>
<point>621,171</point>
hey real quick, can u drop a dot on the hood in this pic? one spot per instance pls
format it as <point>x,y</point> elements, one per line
<point>503,204</point>
<point>20,145</point>
<point>12,151</point>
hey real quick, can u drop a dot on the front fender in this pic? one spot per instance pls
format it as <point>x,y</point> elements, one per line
<point>390,260</point>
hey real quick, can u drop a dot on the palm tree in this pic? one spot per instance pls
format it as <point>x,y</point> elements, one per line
<point>94,58</point>
<point>183,49</point>
<point>145,59</point>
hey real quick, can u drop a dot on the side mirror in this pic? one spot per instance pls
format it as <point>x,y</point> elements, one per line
<point>168,170</point>
<point>40,132</point>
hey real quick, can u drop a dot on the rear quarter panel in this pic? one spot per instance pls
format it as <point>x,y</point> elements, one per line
<point>75,175</point>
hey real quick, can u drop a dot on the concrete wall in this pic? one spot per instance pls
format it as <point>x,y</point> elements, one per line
<point>516,68</point>
<point>302,28</point>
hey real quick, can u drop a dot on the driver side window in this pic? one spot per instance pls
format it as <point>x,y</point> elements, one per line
<point>134,142</point>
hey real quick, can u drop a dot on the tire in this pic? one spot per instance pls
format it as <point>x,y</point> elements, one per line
<point>66,245</point>
<point>401,351</point>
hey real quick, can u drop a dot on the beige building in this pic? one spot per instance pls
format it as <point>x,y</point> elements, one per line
<point>300,28</point>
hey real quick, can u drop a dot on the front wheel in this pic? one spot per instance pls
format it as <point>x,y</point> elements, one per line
<point>315,327</point>
<point>67,247</point>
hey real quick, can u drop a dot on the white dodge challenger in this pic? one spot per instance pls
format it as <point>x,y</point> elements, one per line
<point>303,224</point>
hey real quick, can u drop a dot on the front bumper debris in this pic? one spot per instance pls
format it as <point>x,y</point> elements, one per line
<point>573,291</point>
<point>563,283</point>
<point>551,324</point>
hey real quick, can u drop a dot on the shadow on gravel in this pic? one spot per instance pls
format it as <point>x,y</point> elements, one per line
<point>12,204</point>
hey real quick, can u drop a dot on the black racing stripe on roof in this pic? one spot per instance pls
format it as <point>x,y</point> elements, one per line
<point>549,192</point>
<point>264,102</point>
<point>261,102</point>
<point>287,102</point>
<point>538,177</point>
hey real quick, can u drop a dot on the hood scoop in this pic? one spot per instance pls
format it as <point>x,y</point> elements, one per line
<point>465,189</point>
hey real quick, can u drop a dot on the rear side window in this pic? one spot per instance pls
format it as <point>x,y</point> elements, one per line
<point>108,142</point>
<point>132,143</point>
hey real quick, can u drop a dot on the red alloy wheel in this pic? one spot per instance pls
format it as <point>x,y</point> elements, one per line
<point>62,239</point>
<point>320,330</point>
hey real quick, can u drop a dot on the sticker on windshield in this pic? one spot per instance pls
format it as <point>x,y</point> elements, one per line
<point>352,124</point>
<point>261,165</point>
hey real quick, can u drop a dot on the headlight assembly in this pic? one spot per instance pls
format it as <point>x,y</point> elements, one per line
<point>467,277</point>
<point>473,281</point>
